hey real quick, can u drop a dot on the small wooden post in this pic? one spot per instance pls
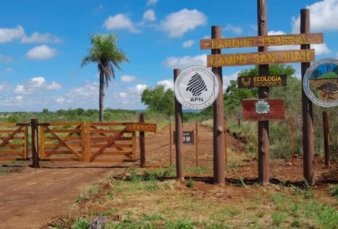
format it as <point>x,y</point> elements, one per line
<point>308,143</point>
<point>142,144</point>
<point>170,145</point>
<point>35,152</point>
<point>196,143</point>
<point>263,93</point>
<point>225,143</point>
<point>326,138</point>
<point>292,123</point>
<point>218,113</point>
<point>178,135</point>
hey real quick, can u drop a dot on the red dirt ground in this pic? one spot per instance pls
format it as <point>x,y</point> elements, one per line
<point>29,198</point>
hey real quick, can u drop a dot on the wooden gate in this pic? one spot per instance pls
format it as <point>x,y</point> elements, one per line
<point>111,142</point>
<point>61,141</point>
<point>88,142</point>
<point>13,142</point>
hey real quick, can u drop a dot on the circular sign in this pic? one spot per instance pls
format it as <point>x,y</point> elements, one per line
<point>321,83</point>
<point>196,87</point>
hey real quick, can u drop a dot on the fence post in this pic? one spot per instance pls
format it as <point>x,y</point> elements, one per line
<point>142,144</point>
<point>35,152</point>
<point>326,138</point>
<point>178,135</point>
<point>196,139</point>
<point>85,141</point>
<point>170,145</point>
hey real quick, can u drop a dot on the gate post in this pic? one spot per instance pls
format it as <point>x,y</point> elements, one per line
<point>85,141</point>
<point>142,144</point>
<point>35,143</point>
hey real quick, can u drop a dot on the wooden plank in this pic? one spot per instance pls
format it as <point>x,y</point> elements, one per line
<point>103,131</point>
<point>58,152</point>
<point>6,139</point>
<point>261,58</point>
<point>147,127</point>
<point>272,40</point>
<point>64,143</point>
<point>63,159</point>
<point>261,81</point>
<point>97,139</point>
<point>115,145</point>
<point>51,124</point>
<point>263,110</point>
<point>69,131</point>
<point>116,153</point>
<point>111,142</point>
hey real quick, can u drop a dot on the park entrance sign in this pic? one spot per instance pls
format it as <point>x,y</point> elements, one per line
<point>196,87</point>
<point>320,83</point>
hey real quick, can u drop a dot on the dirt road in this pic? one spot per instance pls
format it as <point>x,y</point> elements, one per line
<point>31,198</point>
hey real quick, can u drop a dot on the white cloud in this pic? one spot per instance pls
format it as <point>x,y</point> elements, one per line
<point>2,87</point>
<point>149,15</point>
<point>321,49</point>
<point>87,91</point>
<point>41,52</point>
<point>228,78</point>
<point>178,23</point>
<point>323,16</point>
<point>53,86</point>
<point>37,37</point>
<point>18,98</point>
<point>35,83</point>
<point>186,61</point>
<point>122,95</point>
<point>152,2</point>
<point>233,29</point>
<point>10,34</point>
<point>120,22</point>
<point>168,84</point>
<point>18,33</point>
<point>139,88</point>
<point>127,79</point>
<point>38,81</point>
<point>188,44</point>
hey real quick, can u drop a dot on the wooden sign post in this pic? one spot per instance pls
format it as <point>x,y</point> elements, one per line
<point>263,81</point>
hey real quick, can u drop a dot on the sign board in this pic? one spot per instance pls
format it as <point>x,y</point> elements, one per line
<point>320,83</point>
<point>188,137</point>
<point>196,87</point>
<point>146,127</point>
<point>258,58</point>
<point>273,40</point>
<point>263,109</point>
<point>261,81</point>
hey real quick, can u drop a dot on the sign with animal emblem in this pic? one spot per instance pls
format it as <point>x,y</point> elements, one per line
<point>196,87</point>
<point>320,83</point>
<point>261,81</point>
<point>263,109</point>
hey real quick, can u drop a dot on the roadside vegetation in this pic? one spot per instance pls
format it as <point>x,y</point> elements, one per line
<point>148,198</point>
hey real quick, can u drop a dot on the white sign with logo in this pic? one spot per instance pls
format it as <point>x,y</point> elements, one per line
<point>196,87</point>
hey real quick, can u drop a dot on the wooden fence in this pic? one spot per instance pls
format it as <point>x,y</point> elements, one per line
<point>73,141</point>
<point>13,142</point>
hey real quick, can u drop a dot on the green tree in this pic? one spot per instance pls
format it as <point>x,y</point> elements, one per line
<point>105,53</point>
<point>159,100</point>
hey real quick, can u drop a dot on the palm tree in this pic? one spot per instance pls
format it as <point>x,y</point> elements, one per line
<point>105,53</point>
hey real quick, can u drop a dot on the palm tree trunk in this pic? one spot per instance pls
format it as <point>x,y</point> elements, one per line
<point>101,96</point>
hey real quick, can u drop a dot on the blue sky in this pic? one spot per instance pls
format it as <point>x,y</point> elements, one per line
<point>42,43</point>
